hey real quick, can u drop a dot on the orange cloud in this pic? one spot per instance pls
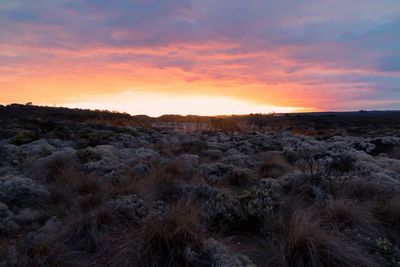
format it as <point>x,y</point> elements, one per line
<point>59,76</point>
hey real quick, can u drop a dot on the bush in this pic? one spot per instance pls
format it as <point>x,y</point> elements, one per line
<point>24,137</point>
<point>155,242</point>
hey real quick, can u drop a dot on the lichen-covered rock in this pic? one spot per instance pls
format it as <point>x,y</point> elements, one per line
<point>22,192</point>
<point>7,223</point>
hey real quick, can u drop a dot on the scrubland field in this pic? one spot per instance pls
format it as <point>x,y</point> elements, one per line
<point>80,188</point>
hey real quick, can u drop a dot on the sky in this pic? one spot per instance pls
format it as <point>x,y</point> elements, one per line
<point>203,57</point>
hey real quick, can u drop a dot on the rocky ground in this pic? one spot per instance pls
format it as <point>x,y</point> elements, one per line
<point>74,193</point>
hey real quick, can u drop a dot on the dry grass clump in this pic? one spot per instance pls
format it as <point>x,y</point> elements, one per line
<point>83,231</point>
<point>275,165</point>
<point>131,185</point>
<point>167,188</point>
<point>165,182</point>
<point>366,190</point>
<point>343,214</point>
<point>51,253</point>
<point>173,167</point>
<point>239,178</point>
<point>156,241</point>
<point>75,187</point>
<point>388,213</point>
<point>303,242</point>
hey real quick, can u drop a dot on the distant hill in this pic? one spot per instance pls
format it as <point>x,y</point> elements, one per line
<point>317,123</point>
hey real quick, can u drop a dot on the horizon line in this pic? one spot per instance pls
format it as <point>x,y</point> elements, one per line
<point>188,115</point>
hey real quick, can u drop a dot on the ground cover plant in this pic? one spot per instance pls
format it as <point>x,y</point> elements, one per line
<point>81,188</point>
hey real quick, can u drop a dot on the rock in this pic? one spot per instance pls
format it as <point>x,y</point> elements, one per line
<point>22,192</point>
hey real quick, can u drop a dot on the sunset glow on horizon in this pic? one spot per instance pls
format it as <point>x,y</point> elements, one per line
<point>201,57</point>
<point>157,104</point>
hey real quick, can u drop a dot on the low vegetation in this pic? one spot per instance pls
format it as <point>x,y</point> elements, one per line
<point>81,188</point>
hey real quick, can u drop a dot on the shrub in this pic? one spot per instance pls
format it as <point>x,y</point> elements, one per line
<point>92,137</point>
<point>222,213</point>
<point>24,137</point>
<point>157,241</point>
<point>341,165</point>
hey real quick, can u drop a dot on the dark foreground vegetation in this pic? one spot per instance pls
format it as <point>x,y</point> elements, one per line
<point>80,188</point>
